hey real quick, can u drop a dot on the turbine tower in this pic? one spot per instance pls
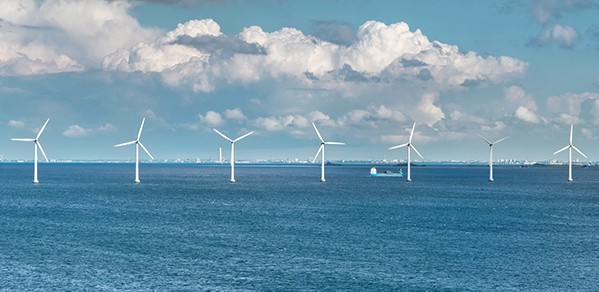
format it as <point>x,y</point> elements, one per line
<point>37,144</point>
<point>232,150</point>
<point>137,144</point>
<point>491,154</point>
<point>321,151</point>
<point>409,146</point>
<point>570,147</point>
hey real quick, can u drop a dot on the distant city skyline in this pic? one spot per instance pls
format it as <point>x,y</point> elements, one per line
<point>362,71</point>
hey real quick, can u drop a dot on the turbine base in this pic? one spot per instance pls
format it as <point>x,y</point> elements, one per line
<point>409,180</point>
<point>36,181</point>
<point>491,180</point>
<point>322,180</point>
<point>570,179</point>
<point>136,181</point>
<point>232,180</point>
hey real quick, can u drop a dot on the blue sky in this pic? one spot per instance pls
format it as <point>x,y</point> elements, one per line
<point>363,71</point>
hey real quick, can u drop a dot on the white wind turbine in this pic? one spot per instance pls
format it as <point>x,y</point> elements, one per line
<point>37,144</point>
<point>232,150</point>
<point>491,154</point>
<point>409,146</point>
<point>321,151</point>
<point>137,144</point>
<point>570,147</point>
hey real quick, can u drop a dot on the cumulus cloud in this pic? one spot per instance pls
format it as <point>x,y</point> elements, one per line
<point>372,116</point>
<point>57,35</point>
<point>427,112</point>
<point>16,124</point>
<point>563,35</point>
<point>76,131</point>
<point>517,96</point>
<point>107,128</point>
<point>79,131</point>
<point>234,114</point>
<point>527,115</point>
<point>192,55</point>
<point>280,123</point>
<point>570,103</point>
<point>548,13</point>
<point>588,133</point>
<point>211,118</point>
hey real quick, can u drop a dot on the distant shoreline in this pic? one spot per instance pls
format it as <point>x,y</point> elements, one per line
<point>332,163</point>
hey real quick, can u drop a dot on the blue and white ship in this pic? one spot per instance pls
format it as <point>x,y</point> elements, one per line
<point>374,173</point>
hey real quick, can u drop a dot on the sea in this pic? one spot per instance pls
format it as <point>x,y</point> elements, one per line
<point>185,227</point>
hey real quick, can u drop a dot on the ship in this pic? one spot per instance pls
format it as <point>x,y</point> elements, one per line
<point>374,173</point>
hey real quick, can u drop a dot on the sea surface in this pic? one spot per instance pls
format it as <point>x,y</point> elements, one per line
<point>185,227</point>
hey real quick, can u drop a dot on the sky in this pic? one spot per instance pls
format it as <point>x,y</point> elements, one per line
<point>362,71</point>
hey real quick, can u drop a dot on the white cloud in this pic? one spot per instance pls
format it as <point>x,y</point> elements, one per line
<point>16,124</point>
<point>199,55</point>
<point>494,127</point>
<point>79,131</point>
<point>107,128</point>
<point>583,106</point>
<point>587,133</point>
<point>280,123</point>
<point>517,96</point>
<point>234,114</point>
<point>527,115</point>
<point>427,112</point>
<point>211,118</point>
<point>76,131</point>
<point>565,36</point>
<point>58,35</point>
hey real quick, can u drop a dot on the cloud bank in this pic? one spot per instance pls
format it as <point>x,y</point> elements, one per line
<point>52,36</point>
<point>197,54</point>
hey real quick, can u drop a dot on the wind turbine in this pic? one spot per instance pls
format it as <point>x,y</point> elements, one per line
<point>321,150</point>
<point>137,144</point>
<point>409,146</point>
<point>570,147</point>
<point>232,150</point>
<point>491,154</point>
<point>37,144</point>
<point>220,155</point>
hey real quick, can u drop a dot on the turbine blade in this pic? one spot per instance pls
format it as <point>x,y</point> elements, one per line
<point>42,129</point>
<point>574,147</point>
<point>252,132</point>
<point>23,139</point>
<point>416,150</point>
<point>412,132</point>
<point>317,152</point>
<point>571,130</point>
<point>42,149</point>
<point>146,150</point>
<point>223,135</point>
<point>334,143</point>
<point>126,143</point>
<point>488,142</point>
<point>500,140</point>
<point>141,128</point>
<point>398,146</point>
<point>558,151</point>
<point>317,133</point>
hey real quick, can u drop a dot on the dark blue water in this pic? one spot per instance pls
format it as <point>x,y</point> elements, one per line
<point>185,227</point>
